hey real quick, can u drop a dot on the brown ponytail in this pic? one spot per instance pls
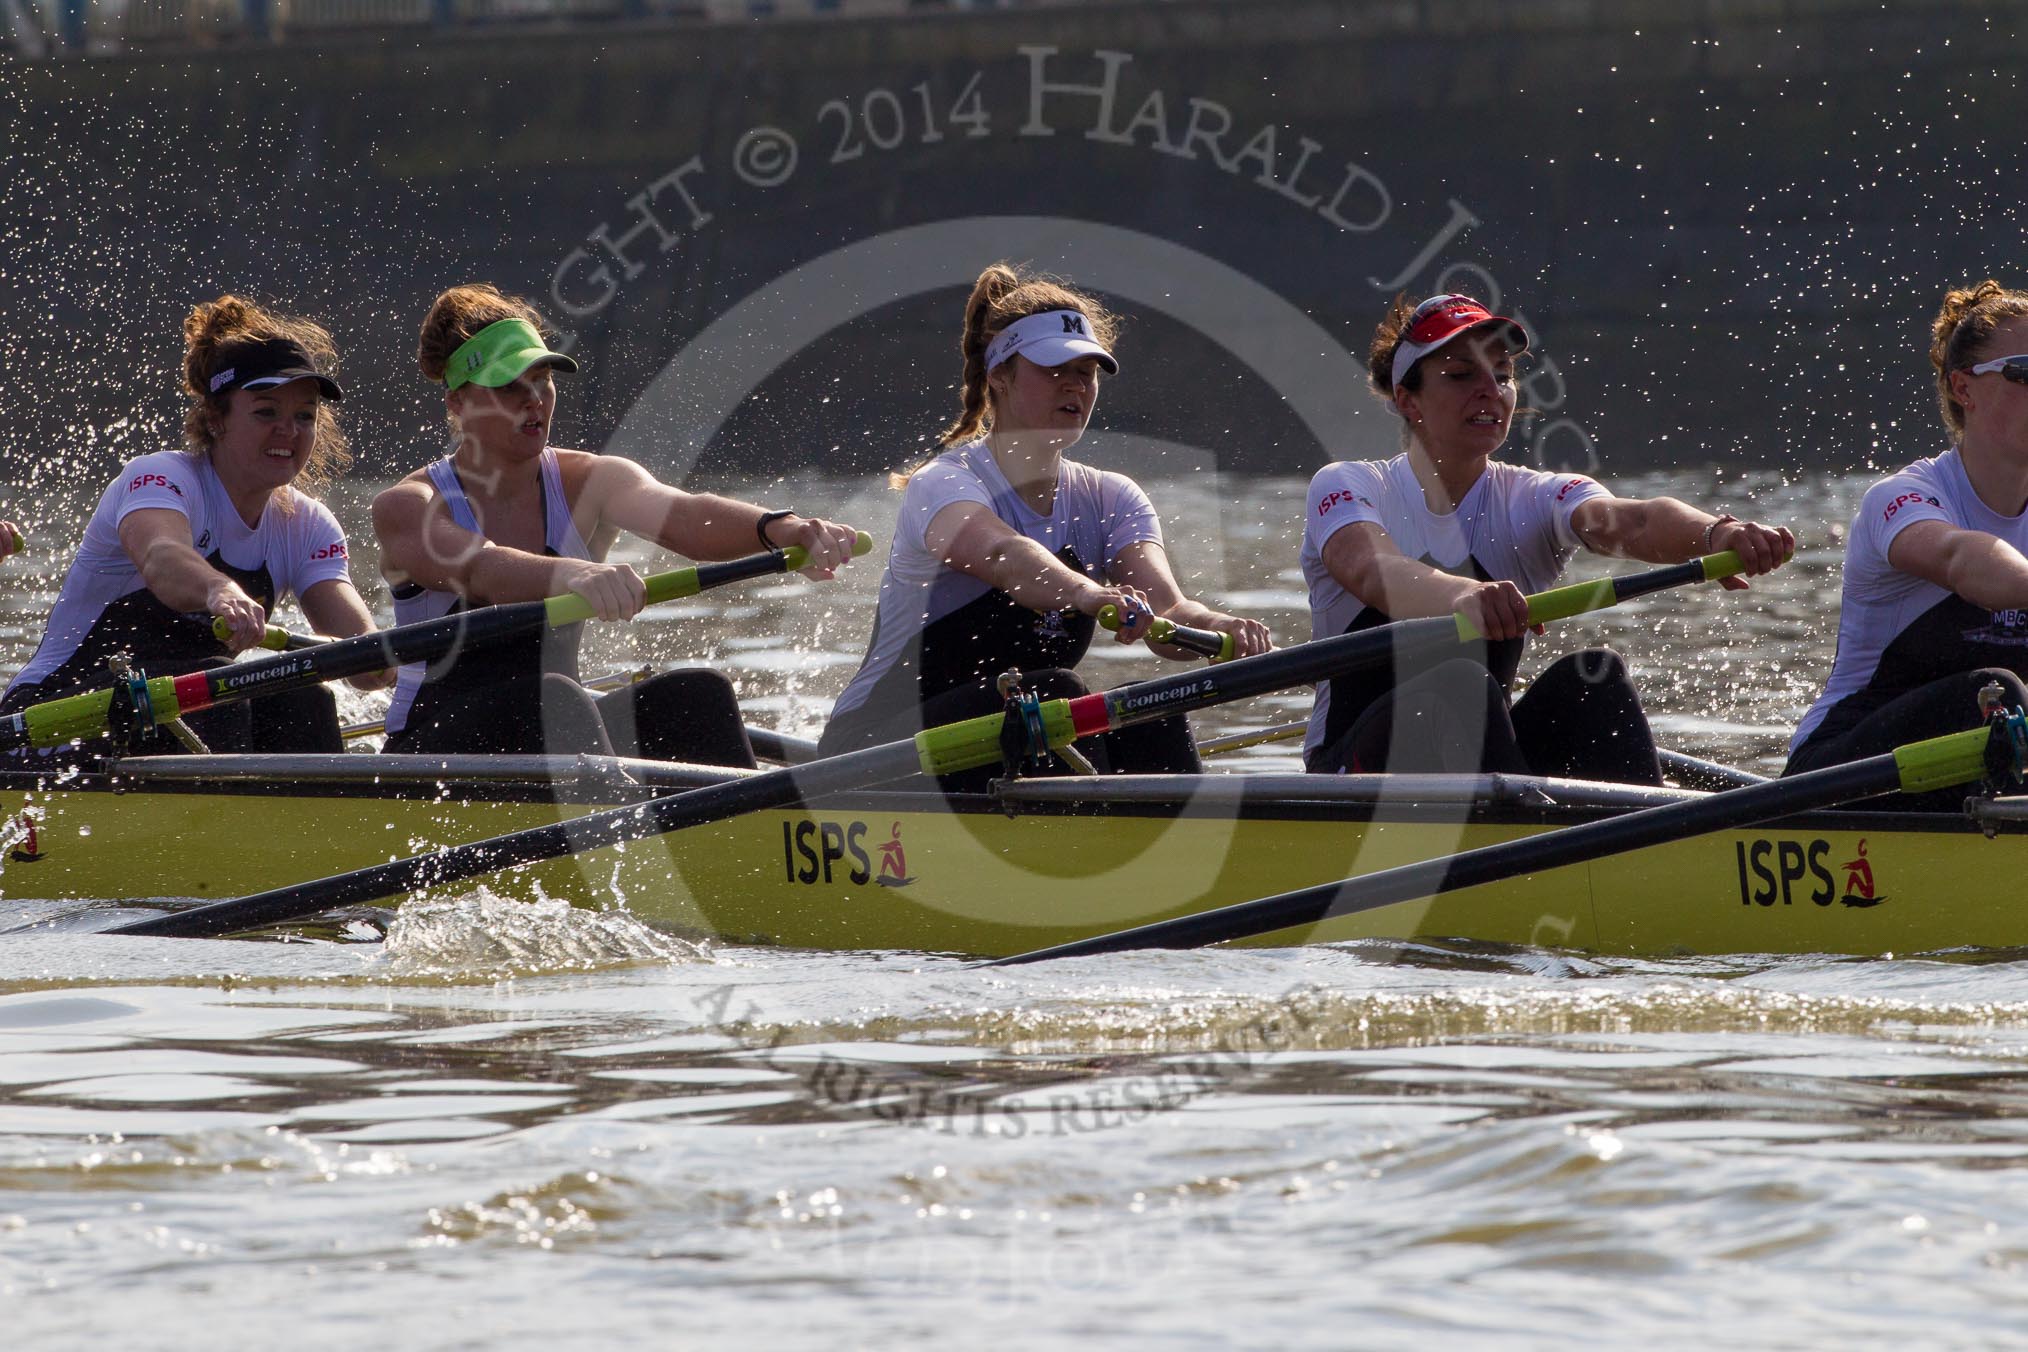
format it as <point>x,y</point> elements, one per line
<point>975,413</point>
<point>1002,295</point>
<point>231,319</point>
<point>1959,337</point>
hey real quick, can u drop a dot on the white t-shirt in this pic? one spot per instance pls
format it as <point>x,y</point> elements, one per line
<point>1096,514</point>
<point>298,548</point>
<point>1514,523</point>
<point>1897,632</point>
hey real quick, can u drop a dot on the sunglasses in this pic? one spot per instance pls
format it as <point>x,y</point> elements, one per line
<point>2014,368</point>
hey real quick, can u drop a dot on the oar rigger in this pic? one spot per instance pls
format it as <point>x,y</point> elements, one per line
<point>2007,748</point>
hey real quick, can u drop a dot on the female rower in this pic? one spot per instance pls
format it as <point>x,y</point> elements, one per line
<point>1936,585</point>
<point>224,528</point>
<point>1444,527</point>
<point>1005,552</point>
<point>508,517</point>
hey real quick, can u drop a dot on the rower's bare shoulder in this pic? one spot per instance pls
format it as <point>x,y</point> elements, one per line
<point>607,474</point>
<point>404,497</point>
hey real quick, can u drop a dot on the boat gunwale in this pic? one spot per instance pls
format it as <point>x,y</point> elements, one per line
<point>1513,800</point>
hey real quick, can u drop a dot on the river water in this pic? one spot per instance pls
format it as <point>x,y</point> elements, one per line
<point>504,1124</point>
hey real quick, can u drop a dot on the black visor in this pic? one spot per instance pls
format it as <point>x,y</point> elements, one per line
<point>263,363</point>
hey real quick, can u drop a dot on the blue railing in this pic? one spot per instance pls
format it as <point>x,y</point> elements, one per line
<point>60,27</point>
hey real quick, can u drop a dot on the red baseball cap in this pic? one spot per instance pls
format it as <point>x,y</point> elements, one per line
<point>1441,318</point>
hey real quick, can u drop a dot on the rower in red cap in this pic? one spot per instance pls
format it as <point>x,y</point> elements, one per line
<point>1445,527</point>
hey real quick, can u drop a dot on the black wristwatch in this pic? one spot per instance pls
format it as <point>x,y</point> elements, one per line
<point>767,519</point>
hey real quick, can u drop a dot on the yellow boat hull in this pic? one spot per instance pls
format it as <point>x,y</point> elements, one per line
<point>1071,859</point>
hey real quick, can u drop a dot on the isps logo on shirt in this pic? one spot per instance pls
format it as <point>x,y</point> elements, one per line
<point>141,481</point>
<point>1904,499</point>
<point>1340,496</point>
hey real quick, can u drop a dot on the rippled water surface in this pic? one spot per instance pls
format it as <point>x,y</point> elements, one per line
<point>507,1123</point>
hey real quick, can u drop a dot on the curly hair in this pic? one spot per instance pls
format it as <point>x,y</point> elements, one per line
<point>1960,335</point>
<point>231,319</point>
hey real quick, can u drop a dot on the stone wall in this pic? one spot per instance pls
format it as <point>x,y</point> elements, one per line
<point>1728,222</point>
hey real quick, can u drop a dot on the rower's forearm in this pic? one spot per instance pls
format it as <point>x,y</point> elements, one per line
<point>1654,530</point>
<point>1034,578</point>
<point>1193,614</point>
<point>1989,572</point>
<point>498,575</point>
<point>178,576</point>
<point>711,528</point>
<point>1404,589</point>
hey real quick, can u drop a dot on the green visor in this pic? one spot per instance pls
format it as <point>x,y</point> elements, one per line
<point>498,355</point>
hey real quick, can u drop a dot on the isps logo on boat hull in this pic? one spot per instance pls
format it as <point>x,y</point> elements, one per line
<point>1780,871</point>
<point>814,850</point>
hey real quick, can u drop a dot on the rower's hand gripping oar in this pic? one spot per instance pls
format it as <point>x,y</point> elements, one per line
<point>1994,753</point>
<point>274,638</point>
<point>935,751</point>
<point>149,703</point>
<point>1205,642</point>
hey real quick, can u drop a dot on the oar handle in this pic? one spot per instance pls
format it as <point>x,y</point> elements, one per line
<point>668,586</point>
<point>1209,642</point>
<point>974,742</point>
<point>17,543</point>
<point>1580,598</point>
<point>682,582</point>
<point>274,638</point>
<point>795,558</point>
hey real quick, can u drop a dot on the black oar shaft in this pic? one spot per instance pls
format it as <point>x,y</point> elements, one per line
<point>425,641</point>
<point>711,575</point>
<point>1495,863</point>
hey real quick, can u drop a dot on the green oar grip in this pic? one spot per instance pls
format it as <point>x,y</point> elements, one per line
<point>794,559</point>
<point>1581,598</point>
<point>682,582</point>
<point>1564,602</point>
<point>16,542</point>
<point>1940,762</point>
<point>570,608</point>
<point>275,638</point>
<point>1725,563</point>
<point>1209,642</point>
